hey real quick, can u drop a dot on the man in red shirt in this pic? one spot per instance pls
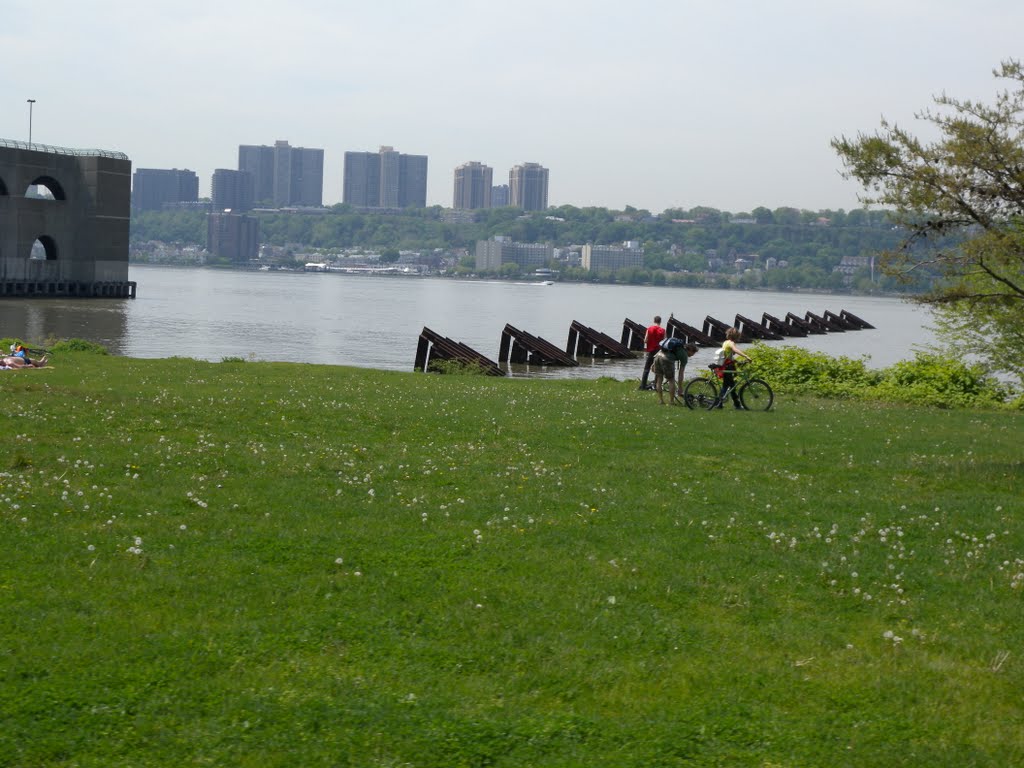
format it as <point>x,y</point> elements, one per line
<point>655,333</point>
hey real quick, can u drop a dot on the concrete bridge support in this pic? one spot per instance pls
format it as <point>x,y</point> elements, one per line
<point>81,222</point>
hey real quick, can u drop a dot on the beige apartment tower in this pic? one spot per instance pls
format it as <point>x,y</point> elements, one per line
<point>473,186</point>
<point>528,187</point>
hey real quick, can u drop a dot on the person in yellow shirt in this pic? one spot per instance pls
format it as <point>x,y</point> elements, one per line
<point>729,354</point>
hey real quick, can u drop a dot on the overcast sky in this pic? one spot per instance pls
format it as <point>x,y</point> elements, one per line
<point>651,103</point>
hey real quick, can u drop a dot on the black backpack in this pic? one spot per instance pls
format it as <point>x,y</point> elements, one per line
<point>671,345</point>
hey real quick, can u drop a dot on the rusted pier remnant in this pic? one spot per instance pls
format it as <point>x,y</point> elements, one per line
<point>677,329</point>
<point>716,330</point>
<point>633,335</point>
<point>823,323</point>
<point>586,342</point>
<point>780,326</point>
<point>755,330</point>
<point>839,320</point>
<point>521,347</point>
<point>799,322</point>
<point>854,320</point>
<point>433,346</point>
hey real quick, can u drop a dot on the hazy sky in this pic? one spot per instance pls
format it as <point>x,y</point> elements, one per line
<point>651,103</point>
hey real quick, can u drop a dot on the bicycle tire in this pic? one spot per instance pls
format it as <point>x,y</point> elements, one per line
<point>756,395</point>
<point>701,393</point>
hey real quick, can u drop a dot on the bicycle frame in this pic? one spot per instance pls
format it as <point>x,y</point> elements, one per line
<point>750,393</point>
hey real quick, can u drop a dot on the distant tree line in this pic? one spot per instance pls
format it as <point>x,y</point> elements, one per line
<point>697,246</point>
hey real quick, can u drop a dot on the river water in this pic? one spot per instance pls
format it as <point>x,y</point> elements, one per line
<point>375,322</point>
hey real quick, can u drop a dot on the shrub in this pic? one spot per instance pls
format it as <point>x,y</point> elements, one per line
<point>79,345</point>
<point>937,379</point>
<point>792,369</point>
<point>456,368</point>
<point>929,379</point>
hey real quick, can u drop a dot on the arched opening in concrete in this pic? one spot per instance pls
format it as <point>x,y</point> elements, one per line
<point>43,249</point>
<point>3,187</point>
<point>45,188</point>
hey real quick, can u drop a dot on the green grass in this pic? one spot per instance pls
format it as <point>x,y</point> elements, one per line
<point>256,564</point>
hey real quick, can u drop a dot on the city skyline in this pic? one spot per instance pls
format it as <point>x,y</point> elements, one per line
<point>666,105</point>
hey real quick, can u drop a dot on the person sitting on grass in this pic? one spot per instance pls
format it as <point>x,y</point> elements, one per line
<point>671,351</point>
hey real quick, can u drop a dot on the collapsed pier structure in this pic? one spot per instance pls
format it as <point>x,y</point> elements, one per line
<point>520,347</point>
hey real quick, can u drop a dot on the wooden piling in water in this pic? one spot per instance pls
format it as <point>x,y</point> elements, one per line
<point>521,347</point>
<point>586,342</point>
<point>678,329</point>
<point>781,327</point>
<point>633,335</point>
<point>716,329</point>
<point>433,346</point>
<point>755,330</point>
<point>852,318</point>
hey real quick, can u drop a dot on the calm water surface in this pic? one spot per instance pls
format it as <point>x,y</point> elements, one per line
<point>375,322</point>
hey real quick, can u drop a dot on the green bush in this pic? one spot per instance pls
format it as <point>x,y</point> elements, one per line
<point>792,369</point>
<point>79,345</point>
<point>456,368</point>
<point>928,379</point>
<point>935,379</point>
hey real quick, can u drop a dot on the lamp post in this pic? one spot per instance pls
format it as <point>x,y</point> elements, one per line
<point>30,103</point>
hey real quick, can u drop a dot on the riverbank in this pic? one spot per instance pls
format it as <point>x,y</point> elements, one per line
<point>265,563</point>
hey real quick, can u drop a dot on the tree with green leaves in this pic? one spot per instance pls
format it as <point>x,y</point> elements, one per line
<point>960,200</point>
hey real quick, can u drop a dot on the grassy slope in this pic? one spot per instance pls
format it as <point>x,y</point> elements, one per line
<point>531,573</point>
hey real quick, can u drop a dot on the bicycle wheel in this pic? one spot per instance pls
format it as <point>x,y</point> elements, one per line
<point>700,393</point>
<point>756,395</point>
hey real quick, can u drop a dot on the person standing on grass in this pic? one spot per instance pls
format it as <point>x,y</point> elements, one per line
<point>729,354</point>
<point>671,352</point>
<point>652,338</point>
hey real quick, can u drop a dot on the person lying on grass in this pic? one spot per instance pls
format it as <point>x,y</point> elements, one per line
<point>17,363</point>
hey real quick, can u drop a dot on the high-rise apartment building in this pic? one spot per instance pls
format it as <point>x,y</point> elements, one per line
<point>231,190</point>
<point>233,236</point>
<point>473,186</point>
<point>385,179</point>
<point>284,175</point>
<point>152,187</point>
<point>258,162</point>
<point>412,181</point>
<point>528,187</point>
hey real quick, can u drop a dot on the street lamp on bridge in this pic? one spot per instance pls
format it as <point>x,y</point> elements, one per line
<point>30,103</point>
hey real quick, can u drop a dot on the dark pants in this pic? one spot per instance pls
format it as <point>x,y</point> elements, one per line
<point>729,380</point>
<point>647,366</point>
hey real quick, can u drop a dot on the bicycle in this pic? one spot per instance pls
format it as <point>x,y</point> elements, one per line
<point>754,393</point>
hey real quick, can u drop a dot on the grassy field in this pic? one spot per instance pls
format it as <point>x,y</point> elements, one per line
<point>256,564</point>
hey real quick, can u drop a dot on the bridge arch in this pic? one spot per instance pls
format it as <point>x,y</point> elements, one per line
<point>3,187</point>
<point>51,184</point>
<point>48,249</point>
